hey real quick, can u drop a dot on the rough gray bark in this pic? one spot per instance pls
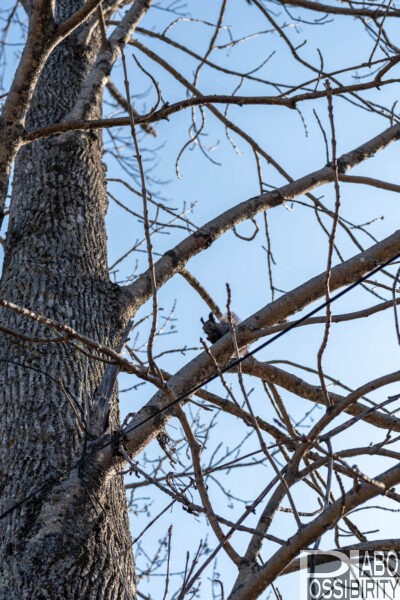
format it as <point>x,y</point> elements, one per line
<point>71,539</point>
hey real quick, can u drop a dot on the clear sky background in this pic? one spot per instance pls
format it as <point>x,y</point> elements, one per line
<point>356,353</point>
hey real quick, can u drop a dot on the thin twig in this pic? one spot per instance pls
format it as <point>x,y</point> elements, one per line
<point>153,367</point>
<point>330,250</point>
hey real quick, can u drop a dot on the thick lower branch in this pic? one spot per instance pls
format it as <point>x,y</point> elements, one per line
<point>152,418</point>
<point>257,583</point>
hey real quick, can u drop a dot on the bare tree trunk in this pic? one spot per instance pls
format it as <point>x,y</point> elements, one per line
<point>71,538</point>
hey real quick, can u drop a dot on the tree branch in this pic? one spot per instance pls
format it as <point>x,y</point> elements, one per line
<point>92,89</point>
<point>301,388</point>
<point>138,433</point>
<point>258,582</point>
<point>175,259</point>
